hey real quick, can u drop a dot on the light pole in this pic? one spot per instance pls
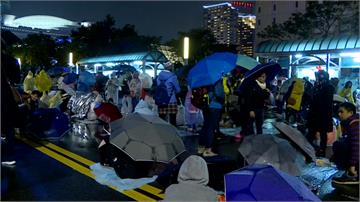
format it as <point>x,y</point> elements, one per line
<point>186,50</point>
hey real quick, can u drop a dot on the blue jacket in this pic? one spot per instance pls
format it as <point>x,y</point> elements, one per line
<point>217,96</point>
<point>171,83</point>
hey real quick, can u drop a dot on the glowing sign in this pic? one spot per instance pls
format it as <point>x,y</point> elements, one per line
<point>242,4</point>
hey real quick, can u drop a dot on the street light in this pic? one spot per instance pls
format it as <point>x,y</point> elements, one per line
<point>186,50</point>
<point>71,59</point>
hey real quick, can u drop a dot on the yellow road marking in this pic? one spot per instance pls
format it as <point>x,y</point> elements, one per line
<point>60,158</point>
<point>68,153</point>
<point>86,171</point>
<point>153,190</point>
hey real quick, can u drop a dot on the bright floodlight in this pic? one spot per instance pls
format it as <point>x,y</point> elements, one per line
<point>298,56</point>
<point>186,47</point>
<point>350,54</point>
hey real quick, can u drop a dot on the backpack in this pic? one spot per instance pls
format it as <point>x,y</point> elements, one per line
<point>200,97</point>
<point>161,94</point>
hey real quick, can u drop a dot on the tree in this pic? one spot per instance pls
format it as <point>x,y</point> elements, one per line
<point>201,44</point>
<point>321,19</point>
<point>103,38</point>
<point>37,50</point>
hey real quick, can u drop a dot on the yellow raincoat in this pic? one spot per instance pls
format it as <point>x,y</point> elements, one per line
<point>297,94</point>
<point>55,100</point>
<point>43,82</point>
<point>346,93</point>
<point>29,83</point>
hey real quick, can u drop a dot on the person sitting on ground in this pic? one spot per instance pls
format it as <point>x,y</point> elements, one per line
<point>193,179</point>
<point>147,105</point>
<point>346,150</point>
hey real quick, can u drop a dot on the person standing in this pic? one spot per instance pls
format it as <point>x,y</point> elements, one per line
<point>346,150</point>
<point>346,92</point>
<point>212,116</point>
<point>255,95</point>
<point>320,112</point>
<point>294,101</point>
<point>135,88</point>
<point>112,89</point>
<point>10,75</point>
<point>167,86</point>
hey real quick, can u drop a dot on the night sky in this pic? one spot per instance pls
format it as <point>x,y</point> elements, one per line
<point>161,18</point>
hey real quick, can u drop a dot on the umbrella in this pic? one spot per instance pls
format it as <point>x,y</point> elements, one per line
<point>298,138</point>
<point>125,68</point>
<point>146,138</point>
<point>246,62</point>
<point>86,81</point>
<point>48,123</point>
<point>271,69</point>
<point>265,183</point>
<point>56,71</point>
<point>107,112</point>
<point>269,149</point>
<point>210,69</point>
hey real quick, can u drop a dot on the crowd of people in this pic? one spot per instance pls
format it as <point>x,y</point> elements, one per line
<point>302,102</point>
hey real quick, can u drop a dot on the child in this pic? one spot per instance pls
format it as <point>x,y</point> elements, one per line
<point>191,113</point>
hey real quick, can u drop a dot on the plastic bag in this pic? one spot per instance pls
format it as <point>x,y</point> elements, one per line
<point>43,82</point>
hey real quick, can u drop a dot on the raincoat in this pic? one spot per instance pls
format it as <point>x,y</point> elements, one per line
<point>143,107</point>
<point>43,82</point>
<point>346,93</point>
<point>29,83</point>
<point>296,94</point>
<point>55,100</point>
<point>112,89</point>
<point>172,84</point>
<point>193,179</point>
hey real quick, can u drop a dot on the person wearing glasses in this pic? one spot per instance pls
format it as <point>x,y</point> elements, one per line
<point>346,150</point>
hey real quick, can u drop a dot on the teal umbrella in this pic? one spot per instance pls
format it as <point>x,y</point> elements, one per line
<point>246,62</point>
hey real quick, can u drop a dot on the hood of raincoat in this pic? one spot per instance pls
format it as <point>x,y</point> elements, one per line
<point>194,170</point>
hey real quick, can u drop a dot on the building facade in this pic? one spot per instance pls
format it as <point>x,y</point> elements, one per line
<point>232,23</point>
<point>275,12</point>
<point>246,33</point>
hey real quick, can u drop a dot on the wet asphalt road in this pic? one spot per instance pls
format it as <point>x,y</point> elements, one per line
<point>38,177</point>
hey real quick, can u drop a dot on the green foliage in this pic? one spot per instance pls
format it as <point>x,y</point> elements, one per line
<point>320,20</point>
<point>35,50</point>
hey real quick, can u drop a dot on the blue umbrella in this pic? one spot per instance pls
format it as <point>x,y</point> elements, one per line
<point>86,81</point>
<point>246,62</point>
<point>265,183</point>
<point>48,123</point>
<point>210,69</point>
<point>271,69</point>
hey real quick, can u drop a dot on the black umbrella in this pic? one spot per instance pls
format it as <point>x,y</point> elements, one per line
<point>271,69</point>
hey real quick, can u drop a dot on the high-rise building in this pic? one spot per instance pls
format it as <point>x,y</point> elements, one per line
<point>221,20</point>
<point>246,33</point>
<point>231,24</point>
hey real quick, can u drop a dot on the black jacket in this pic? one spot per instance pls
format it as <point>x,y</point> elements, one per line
<point>255,96</point>
<point>321,108</point>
